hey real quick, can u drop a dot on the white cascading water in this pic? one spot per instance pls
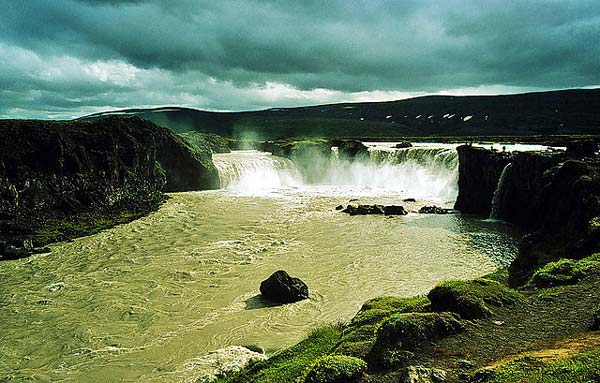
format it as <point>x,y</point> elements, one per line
<point>421,172</point>
<point>256,173</point>
<point>499,192</point>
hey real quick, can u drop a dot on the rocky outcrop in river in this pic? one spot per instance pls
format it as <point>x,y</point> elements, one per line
<point>60,179</point>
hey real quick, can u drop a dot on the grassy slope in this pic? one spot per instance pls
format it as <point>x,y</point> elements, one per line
<point>514,342</point>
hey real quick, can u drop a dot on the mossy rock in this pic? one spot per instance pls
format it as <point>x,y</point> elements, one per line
<point>566,272</point>
<point>409,331</point>
<point>336,369</point>
<point>377,309</point>
<point>557,273</point>
<point>470,299</point>
<point>360,334</point>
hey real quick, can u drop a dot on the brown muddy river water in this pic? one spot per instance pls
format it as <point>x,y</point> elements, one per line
<point>141,301</point>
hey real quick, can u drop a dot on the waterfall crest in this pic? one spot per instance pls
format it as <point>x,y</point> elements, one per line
<point>419,172</point>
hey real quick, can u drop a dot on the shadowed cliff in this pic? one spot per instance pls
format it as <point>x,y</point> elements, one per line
<point>61,179</point>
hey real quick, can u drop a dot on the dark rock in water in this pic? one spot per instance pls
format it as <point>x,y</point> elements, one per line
<point>403,144</point>
<point>394,210</point>
<point>375,209</point>
<point>435,210</point>
<point>339,207</point>
<point>363,209</point>
<point>409,200</point>
<point>8,251</point>
<point>281,287</point>
<point>352,149</point>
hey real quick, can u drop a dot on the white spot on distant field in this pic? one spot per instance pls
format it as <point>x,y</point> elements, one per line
<point>349,107</point>
<point>467,118</point>
<point>419,116</point>
<point>429,117</point>
<point>450,116</point>
<point>362,118</point>
<point>486,117</point>
<point>388,116</point>
<point>446,115</point>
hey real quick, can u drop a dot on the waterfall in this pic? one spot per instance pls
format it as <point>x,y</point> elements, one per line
<point>422,172</point>
<point>255,173</point>
<point>499,192</point>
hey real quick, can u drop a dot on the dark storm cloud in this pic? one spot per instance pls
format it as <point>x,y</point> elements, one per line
<point>228,54</point>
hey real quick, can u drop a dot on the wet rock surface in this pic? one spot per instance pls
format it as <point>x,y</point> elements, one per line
<point>435,210</point>
<point>374,209</point>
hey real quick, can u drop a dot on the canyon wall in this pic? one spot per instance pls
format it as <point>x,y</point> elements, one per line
<point>60,178</point>
<point>553,197</point>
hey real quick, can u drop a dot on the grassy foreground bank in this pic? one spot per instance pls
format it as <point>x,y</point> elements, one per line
<point>463,331</point>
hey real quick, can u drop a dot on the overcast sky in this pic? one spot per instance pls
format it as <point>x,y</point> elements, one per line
<point>67,58</point>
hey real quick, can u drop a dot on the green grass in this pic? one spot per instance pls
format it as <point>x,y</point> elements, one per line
<point>582,368</point>
<point>336,369</point>
<point>471,299</point>
<point>289,364</point>
<point>360,335</point>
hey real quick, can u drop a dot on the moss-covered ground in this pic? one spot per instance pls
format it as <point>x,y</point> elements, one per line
<point>533,334</point>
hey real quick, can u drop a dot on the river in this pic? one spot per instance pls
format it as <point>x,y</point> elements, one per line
<point>139,302</point>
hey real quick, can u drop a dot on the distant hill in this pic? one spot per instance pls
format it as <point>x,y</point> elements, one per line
<point>574,111</point>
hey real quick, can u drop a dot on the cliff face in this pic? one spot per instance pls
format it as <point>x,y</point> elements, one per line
<point>53,173</point>
<point>478,173</point>
<point>555,197</point>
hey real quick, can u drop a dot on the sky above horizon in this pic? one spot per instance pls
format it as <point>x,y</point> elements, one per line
<point>68,58</point>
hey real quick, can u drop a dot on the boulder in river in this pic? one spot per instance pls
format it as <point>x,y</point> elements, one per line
<point>282,288</point>
<point>394,210</point>
<point>403,144</point>
<point>375,209</point>
<point>363,209</point>
<point>435,210</point>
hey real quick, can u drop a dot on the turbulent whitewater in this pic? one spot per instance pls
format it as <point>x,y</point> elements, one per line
<point>147,301</point>
<point>422,172</point>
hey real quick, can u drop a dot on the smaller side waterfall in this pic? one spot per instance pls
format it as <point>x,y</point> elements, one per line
<point>499,192</point>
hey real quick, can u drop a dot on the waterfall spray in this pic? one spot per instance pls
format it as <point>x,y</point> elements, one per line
<point>429,173</point>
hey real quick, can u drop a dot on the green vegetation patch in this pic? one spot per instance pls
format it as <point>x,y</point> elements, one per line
<point>471,299</point>
<point>360,335</point>
<point>582,368</point>
<point>377,309</point>
<point>402,334</point>
<point>288,365</point>
<point>336,369</point>
<point>566,271</point>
